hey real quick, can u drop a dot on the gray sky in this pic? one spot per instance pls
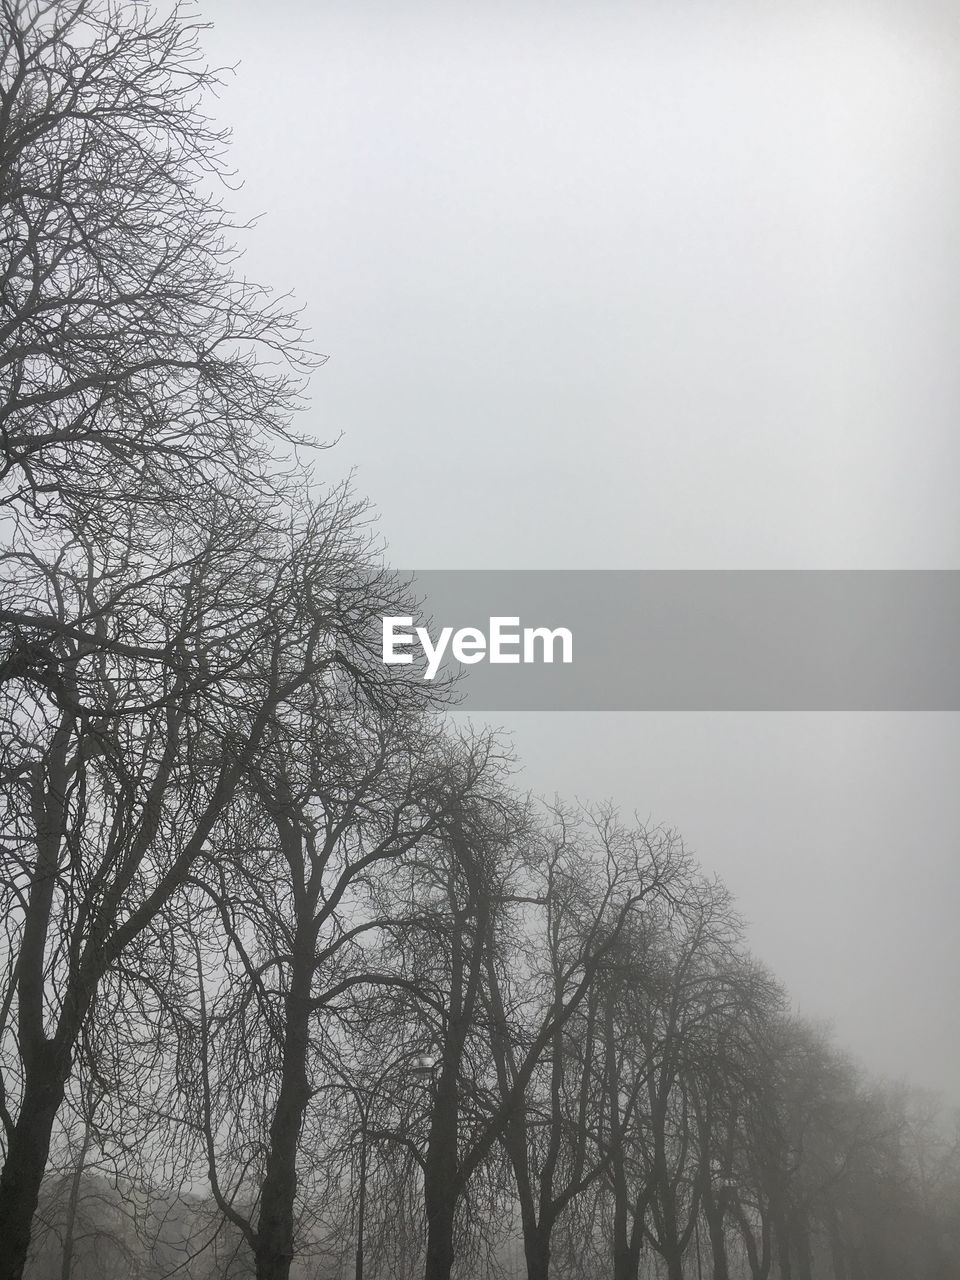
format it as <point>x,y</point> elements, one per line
<point>637,285</point>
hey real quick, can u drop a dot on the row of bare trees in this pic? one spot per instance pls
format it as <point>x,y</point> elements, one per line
<point>291,977</point>
<point>524,1027</point>
<point>179,611</point>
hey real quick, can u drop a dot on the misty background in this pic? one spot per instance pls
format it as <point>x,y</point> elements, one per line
<point>638,286</point>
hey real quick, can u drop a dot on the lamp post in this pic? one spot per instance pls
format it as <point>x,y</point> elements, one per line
<point>421,1064</point>
<point>362,1193</point>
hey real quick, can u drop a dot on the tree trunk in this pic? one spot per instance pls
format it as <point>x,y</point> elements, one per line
<point>440,1206</point>
<point>674,1261</point>
<point>443,1180</point>
<point>759,1259</point>
<point>626,1239</point>
<point>537,1252</point>
<point>626,1259</point>
<point>361,1201</point>
<point>718,1240</point>
<point>440,1172</point>
<point>27,1159</point>
<point>274,1235</point>
<point>440,1201</point>
<point>46,1067</point>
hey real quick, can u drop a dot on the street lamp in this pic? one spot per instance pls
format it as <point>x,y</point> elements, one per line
<point>420,1064</point>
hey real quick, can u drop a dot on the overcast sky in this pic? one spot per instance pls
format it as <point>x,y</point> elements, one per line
<point>638,285</point>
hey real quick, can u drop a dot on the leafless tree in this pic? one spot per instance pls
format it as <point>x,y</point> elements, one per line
<point>137,364</point>
<point>165,590</point>
<point>340,795</point>
<point>120,761</point>
<point>573,925</point>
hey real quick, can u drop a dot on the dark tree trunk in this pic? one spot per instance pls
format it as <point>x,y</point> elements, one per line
<point>626,1240</point>
<point>46,1067</point>
<point>274,1236</point>
<point>670,1247</point>
<point>440,1175</point>
<point>536,1250</point>
<point>440,1208</point>
<point>361,1201</point>
<point>718,1240</point>
<point>674,1261</point>
<point>626,1261</point>
<point>27,1158</point>
<point>759,1260</point>
<point>443,1177</point>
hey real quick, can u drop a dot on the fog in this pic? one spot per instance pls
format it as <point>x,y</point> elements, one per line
<point>634,286</point>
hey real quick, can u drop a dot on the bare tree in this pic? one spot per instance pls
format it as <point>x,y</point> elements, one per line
<point>340,795</point>
<point>492,886</point>
<point>119,764</point>
<point>552,1134</point>
<point>165,590</point>
<point>130,350</point>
